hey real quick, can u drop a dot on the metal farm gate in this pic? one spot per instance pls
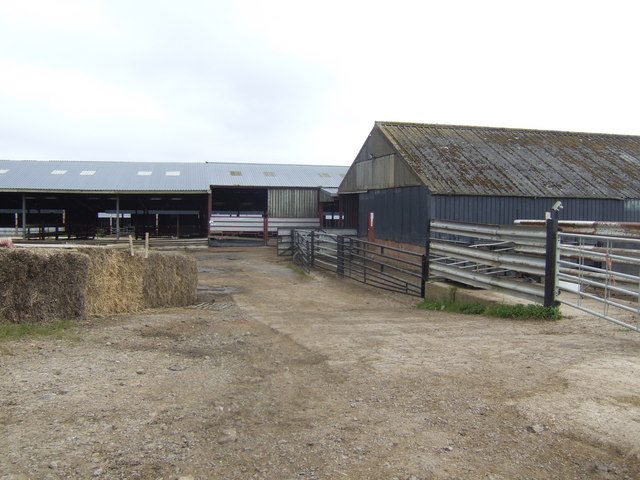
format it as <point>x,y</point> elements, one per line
<point>600,275</point>
<point>371,263</point>
<point>591,266</point>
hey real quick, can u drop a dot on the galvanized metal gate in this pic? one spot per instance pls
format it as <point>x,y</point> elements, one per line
<point>372,263</point>
<point>600,275</point>
<point>576,266</point>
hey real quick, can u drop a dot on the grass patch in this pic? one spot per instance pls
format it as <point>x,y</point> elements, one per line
<point>15,331</point>
<point>517,312</point>
<point>296,269</point>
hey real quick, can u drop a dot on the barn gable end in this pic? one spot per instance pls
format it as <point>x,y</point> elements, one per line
<point>488,175</point>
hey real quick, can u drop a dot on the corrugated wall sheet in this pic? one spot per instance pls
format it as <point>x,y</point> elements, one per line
<point>402,214</point>
<point>504,210</point>
<point>295,203</point>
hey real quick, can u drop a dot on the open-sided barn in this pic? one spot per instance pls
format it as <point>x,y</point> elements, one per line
<point>82,199</point>
<point>407,174</point>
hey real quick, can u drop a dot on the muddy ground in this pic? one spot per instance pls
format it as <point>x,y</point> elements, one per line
<point>277,376</point>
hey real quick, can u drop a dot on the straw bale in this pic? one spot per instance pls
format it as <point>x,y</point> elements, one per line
<point>114,282</point>
<point>170,280</point>
<point>42,285</point>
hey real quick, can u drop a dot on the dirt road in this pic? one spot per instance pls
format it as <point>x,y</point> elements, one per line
<point>277,376</point>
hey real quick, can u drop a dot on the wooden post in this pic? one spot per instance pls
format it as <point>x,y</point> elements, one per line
<point>130,245</point>
<point>146,245</point>
<point>371,235</point>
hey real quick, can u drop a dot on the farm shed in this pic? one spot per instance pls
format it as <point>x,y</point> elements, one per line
<point>286,195</point>
<point>406,174</point>
<point>80,199</point>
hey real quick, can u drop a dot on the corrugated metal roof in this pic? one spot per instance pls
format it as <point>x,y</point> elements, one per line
<point>270,175</point>
<point>30,175</point>
<point>510,162</point>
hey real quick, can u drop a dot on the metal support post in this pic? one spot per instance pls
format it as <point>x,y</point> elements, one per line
<point>340,259</point>
<point>265,229</point>
<point>117,217</point>
<point>425,275</point>
<point>312,243</point>
<point>24,216</point>
<point>427,253</point>
<point>551,257</point>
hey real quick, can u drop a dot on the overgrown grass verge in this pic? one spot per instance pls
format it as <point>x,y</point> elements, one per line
<point>296,269</point>
<point>15,331</point>
<point>518,312</point>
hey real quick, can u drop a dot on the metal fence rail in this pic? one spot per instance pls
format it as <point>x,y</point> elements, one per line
<point>604,270</point>
<point>598,274</point>
<point>535,262</point>
<point>499,257</point>
<point>371,263</point>
<point>285,237</point>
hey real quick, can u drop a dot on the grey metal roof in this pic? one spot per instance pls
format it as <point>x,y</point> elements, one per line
<point>272,175</point>
<point>85,176</point>
<point>511,162</point>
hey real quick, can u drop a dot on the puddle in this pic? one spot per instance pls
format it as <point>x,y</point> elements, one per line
<point>210,270</point>
<point>217,290</point>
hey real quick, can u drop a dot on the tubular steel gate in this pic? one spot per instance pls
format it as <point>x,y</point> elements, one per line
<point>600,275</point>
<point>591,266</point>
<point>374,264</point>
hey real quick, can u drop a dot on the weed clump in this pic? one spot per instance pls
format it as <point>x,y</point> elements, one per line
<point>516,312</point>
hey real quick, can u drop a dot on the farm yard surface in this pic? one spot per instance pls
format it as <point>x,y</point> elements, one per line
<point>273,375</point>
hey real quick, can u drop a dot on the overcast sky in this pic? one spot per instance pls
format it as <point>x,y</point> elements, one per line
<point>293,81</point>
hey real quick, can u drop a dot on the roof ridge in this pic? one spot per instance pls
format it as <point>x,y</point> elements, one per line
<point>137,162</point>
<point>503,129</point>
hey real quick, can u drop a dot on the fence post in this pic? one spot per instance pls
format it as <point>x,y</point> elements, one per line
<point>340,260</point>
<point>427,253</point>
<point>265,229</point>
<point>551,263</point>
<point>295,246</point>
<point>311,258</point>
<point>425,275</point>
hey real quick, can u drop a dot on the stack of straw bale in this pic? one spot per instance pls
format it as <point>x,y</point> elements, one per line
<point>43,285</point>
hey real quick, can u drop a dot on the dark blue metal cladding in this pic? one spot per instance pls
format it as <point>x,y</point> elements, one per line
<point>632,210</point>
<point>401,214</point>
<point>504,210</point>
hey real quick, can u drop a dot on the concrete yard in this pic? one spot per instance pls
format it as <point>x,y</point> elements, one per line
<point>274,375</point>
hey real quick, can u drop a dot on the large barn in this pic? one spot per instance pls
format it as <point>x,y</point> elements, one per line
<point>83,199</point>
<point>407,174</point>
